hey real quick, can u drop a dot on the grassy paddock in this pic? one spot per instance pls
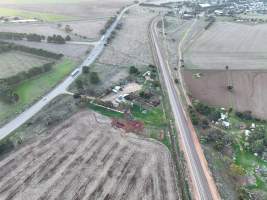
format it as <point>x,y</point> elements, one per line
<point>30,90</point>
<point>29,15</point>
<point>10,62</point>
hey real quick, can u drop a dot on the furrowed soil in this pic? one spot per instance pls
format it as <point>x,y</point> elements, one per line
<point>249,89</point>
<point>84,158</point>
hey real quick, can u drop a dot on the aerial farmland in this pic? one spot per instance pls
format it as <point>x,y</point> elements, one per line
<point>81,159</point>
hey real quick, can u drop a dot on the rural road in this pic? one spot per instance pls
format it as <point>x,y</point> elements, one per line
<point>203,185</point>
<point>62,87</point>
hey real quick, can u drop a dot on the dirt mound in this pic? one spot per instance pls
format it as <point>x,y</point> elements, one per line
<point>85,158</point>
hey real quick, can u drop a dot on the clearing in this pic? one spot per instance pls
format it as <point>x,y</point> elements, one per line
<point>239,46</point>
<point>13,62</point>
<point>87,159</point>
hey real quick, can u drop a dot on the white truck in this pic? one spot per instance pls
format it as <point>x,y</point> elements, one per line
<point>75,72</point>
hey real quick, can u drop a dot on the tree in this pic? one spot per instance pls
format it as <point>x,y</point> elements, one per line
<point>79,84</point>
<point>94,78</point>
<point>67,38</point>
<point>85,69</point>
<point>237,170</point>
<point>6,93</point>
<point>133,70</point>
<point>68,29</point>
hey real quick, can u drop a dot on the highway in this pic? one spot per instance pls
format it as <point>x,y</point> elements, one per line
<point>203,185</point>
<point>63,86</point>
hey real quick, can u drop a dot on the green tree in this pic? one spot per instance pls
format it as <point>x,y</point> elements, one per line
<point>94,78</point>
<point>85,69</point>
<point>133,70</point>
<point>79,84</point>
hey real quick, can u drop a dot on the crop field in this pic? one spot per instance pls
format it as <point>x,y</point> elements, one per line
<point>41,29</point>
<point>131,44</point>
<point>249,89</point>
<point>78,9</point>
<point>239,46</point>
<point>87,28</point>
<point>14,62</point>
<point>30,15</point>
<point>84,158</point>
<point>32,89</point>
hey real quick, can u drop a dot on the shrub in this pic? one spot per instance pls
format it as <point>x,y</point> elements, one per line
<point>133,70</point>
<point>94,78</point>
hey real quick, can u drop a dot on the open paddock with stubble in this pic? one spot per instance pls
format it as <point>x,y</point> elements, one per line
<point>249,89</point>
<point>72,8</point>
<point>14,62</point>
<point>240,46</point>
<point>131,44</point>
<point>84,158</point>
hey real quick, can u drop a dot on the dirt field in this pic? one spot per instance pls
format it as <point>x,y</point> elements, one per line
<point>14,62</point>
<point>249,93</point>
<point>42,29</point>
<point>239,46</point>
<point>83,158</point>
<point>87,28</point>
<point>131,45</point>
<point>83,9</point>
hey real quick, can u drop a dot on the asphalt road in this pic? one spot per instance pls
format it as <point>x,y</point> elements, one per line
<point>200,183</point>
<point>63,86</point>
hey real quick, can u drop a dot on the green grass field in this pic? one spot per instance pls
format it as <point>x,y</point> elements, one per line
<point>29,15</point>
<point>31,90</point>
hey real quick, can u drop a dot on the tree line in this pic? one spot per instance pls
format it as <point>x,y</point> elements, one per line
<point>21,76</point>
<point>5,46</point>
<point>58,39</point>
<point>6,91</point>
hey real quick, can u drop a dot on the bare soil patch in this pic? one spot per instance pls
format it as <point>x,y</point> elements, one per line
<point>14,62</point>
<point>249,89</point>
<point>84,158</point>
<point>239,46</point>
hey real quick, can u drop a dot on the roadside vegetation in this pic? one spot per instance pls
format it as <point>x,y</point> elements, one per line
<point>240,142</point>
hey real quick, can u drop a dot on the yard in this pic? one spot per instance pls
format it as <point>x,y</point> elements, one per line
<point>237,153</point>
<point>14,62</point>
<point>30,90</point>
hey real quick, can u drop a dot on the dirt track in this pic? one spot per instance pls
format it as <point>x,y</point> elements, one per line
<point>84,158</point>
